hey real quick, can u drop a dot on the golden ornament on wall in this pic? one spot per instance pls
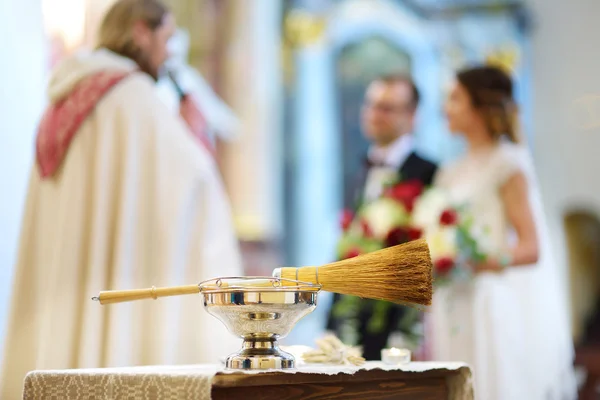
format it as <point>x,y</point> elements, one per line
<point>302,28</point>
<point>506,58</point>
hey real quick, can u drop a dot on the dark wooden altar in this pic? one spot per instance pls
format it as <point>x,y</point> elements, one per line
<point>372,385</point>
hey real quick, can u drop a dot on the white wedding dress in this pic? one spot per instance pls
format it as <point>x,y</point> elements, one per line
<point>511,328</point>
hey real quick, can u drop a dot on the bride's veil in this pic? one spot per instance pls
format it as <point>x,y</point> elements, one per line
<point>543,296</point>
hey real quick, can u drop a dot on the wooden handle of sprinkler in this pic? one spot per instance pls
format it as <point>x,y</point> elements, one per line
<point>121,296</point>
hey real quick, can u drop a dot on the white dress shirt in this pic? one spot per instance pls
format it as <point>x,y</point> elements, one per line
<point>392,157</point>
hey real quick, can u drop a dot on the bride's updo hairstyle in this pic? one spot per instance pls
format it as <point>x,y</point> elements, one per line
<point>491,92</point>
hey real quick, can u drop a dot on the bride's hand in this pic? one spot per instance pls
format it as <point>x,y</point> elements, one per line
<point>490,265</point>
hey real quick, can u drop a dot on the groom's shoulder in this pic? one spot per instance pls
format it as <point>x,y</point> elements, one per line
<point>423,160</point>
<point>419,167</point>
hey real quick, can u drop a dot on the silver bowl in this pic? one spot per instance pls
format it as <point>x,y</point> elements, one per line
<point>260,310</point>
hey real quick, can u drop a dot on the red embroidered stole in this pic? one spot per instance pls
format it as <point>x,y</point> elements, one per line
<point>62,120</point>
<point>193,116</point>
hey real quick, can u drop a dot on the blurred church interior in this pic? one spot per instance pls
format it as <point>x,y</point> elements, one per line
<point>294,72</point>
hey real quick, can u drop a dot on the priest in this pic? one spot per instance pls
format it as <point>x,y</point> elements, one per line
<point>122,196</point>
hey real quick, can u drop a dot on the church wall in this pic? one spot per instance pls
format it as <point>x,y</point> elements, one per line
<point>566,111</point>
<point>22,82</point>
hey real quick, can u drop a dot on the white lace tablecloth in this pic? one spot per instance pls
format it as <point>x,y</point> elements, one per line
<point>195,382</point>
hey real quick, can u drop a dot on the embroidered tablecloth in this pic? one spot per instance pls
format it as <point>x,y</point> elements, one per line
<point>196,381</point>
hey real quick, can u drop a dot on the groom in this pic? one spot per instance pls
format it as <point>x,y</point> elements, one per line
<point>388,118</point>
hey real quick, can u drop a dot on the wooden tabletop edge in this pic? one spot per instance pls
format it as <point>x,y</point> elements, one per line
<point>278,378</point>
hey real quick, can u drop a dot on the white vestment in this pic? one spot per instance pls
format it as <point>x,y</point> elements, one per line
<point>136,202</point>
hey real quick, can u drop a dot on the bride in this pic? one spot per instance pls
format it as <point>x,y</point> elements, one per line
<point>510,322</point>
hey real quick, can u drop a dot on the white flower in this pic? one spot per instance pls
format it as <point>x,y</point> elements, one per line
<point>429,207</point>
<point>442,242</point>
<point>383,215</point>
<point>481,235</point>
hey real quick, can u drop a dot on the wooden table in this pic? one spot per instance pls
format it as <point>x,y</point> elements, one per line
<point>373,381</point>
<point>589,358</point>
<point>372,385</point>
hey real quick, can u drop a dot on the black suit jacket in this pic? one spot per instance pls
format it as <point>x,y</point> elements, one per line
<point>416,167</point>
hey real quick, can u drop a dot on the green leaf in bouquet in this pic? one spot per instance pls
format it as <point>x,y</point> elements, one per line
<point>348,331</point>
<point>408,325</point>
<point>467,223</point>
<point>411,329</point>
<point>355,229</point>
<point>349,242</point>
<point>347,310</point>
<point>346,307</point>
<point>378,319</point>
<point>371,245</point>
<point>440,281</point>
<point>413,339</point>
<point>344,245</point>
<point>391,181</point>
<point>469,245</point>
<point>409,320</point>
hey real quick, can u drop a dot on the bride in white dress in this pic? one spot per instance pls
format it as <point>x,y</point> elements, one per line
<point>510,322</point>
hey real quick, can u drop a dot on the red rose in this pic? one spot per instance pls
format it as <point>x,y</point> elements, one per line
<point>448,217</point>
<point>396,236</point>
<point>414,233</point>
<point>366,229</point>
<point>443,265</point>
<point>353,252</point>
<point>346,219</point>
<point>406,193</point>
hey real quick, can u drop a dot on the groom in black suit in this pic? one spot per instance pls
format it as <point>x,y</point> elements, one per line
<point>387,118</point>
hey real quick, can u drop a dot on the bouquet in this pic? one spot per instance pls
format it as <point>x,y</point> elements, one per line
<point>381,223</point>
<point>408,211</point>
<point>384,222</point>
<point>455,238</point>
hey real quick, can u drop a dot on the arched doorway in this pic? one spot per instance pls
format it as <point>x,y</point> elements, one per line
<point>582,229</point>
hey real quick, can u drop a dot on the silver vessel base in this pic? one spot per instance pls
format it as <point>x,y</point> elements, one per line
<point>259,354</point>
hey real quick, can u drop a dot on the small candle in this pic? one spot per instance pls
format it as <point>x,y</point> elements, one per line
<point>395,356</point>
